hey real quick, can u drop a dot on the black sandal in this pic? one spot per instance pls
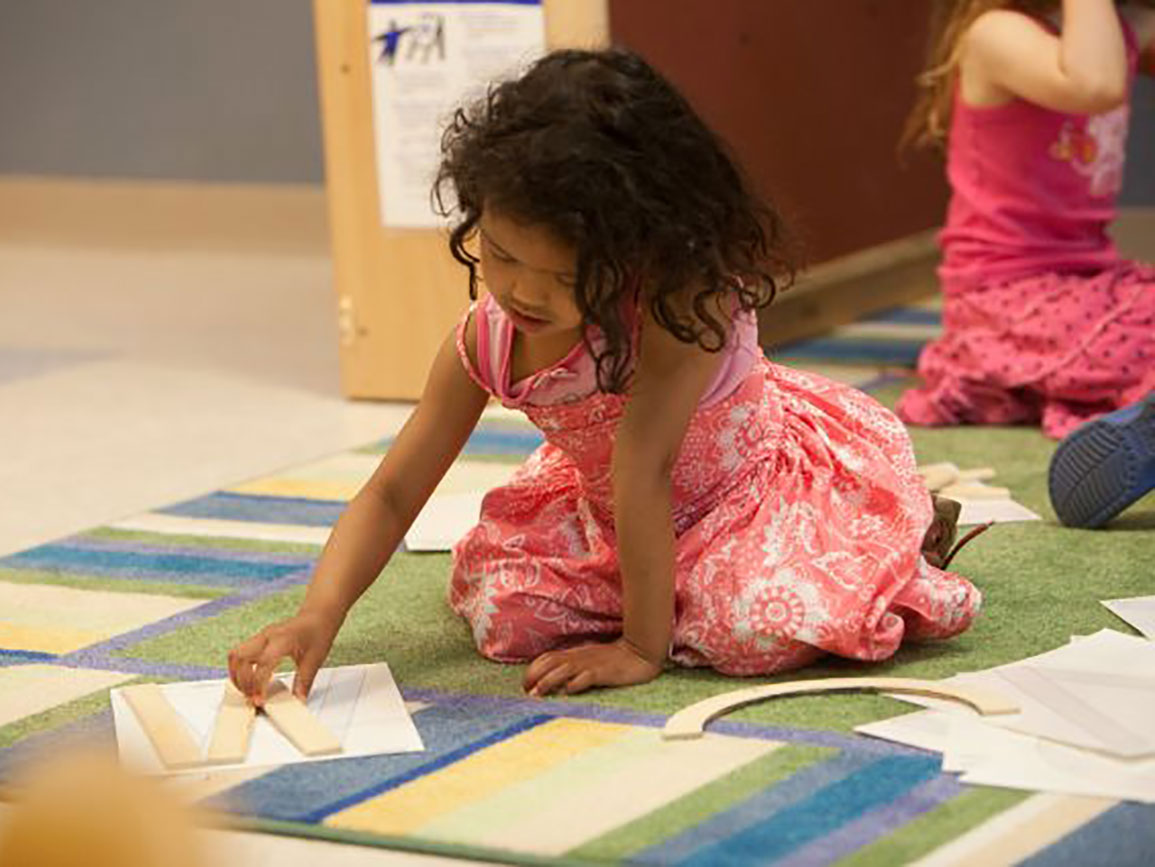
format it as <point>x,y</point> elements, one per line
<point>938,545</point>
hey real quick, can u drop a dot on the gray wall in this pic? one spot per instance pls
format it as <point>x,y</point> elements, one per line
<point>1139,184</point>
<point>215,90</point>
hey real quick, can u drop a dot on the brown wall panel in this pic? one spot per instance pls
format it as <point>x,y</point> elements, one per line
<point>811,94</point>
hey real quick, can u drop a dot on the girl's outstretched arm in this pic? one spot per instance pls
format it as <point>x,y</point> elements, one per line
<point>370,528</point>
<point>669,380</point>
<point>1005,54</point>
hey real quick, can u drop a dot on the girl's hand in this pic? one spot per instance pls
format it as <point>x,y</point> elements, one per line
<point>305,639</point>
<point>579,668</point>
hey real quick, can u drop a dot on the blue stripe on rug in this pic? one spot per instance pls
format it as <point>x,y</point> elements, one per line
<point>900,352</point>
<point>503,442</point>
<point>12,657</point>
<point>1124,836</point>
<point>228,506</point>
<point>827,810</point>
<point>907,316</point>
<point>96,730</point>
<point>724,825</point>
<point>299,559</point>
<point>311,792</point>
<point>172,568</point>
<point>875,824</point>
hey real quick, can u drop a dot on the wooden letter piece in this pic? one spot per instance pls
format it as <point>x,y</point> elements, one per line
<point>689,722</point>
<point>233,728</point>
<point>294,720</point>
<point>938,476</point>
<point>171,740</point>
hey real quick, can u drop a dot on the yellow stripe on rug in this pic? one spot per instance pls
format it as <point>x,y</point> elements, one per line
<point>30,689</point>
<point>30,615</point>
<point>218,528</point>
<point>595,791</point>
<point>463,476</point>
<point>476,777</point>
<point>1020,832</point>
<point>46,639</point>
<point>638,781</point>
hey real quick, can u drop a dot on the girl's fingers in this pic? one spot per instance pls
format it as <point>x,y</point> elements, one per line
<point>537,668</point>
<point>306,672</point>
<point>554,678</point>
<point>580,682</point>
<point>242,659</point>
<point>263,668</point>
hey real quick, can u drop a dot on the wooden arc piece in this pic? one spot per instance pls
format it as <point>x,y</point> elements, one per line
<point>165,730</point>
<point>689,722</point>
<point>232,730</point>
<point>296,722</point>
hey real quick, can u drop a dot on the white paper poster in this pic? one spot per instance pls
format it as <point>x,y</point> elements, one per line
<point>425,59</point>
<point>360,704</point>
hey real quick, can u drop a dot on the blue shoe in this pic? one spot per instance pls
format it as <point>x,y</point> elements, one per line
<point>1104,466</point>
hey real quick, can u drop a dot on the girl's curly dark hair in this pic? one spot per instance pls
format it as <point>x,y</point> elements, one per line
<point>597,148</point>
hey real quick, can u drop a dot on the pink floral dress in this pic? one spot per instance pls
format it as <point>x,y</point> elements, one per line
<point>798,518</point>
<point>1044,322</point>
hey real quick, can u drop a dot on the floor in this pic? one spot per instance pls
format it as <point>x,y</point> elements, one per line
<point>137,369</point>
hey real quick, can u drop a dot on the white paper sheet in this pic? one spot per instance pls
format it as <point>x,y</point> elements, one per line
<point>444,520</point>
<point>359,704</point>
<point>999,511</point>
<point>1139,611</point>
<point>925,729</point>
<point>425,59</point>
<point>988,755</point>
<point>1124,666</point>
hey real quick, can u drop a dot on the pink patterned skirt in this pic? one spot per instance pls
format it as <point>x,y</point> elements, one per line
<point>1055,349</point>
<point>798,517</point>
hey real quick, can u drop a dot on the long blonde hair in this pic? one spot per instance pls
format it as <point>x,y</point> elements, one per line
<point>929,121</point>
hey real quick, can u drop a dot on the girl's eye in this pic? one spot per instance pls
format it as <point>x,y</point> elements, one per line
<point>497,254</point>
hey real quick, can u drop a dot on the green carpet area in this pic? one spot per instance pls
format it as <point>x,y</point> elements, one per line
<point>1042,583</point>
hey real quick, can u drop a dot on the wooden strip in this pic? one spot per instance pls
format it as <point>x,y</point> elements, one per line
<point>689,722</point>
<point>938,476</point>
<point>171,740</point>
<point>296,722</point>
<point>233,728</point>
<point>978,474</point>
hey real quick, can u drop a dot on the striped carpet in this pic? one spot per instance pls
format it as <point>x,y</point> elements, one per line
<point>891,339</point>
<point>163,595</point>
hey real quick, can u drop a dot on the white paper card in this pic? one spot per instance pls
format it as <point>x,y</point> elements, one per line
<point>424,60</point>
<point>1118,696</point>
<point>443,521</point>
<point>359,704</point>
<point>1000,511</point>
<point>1139,611</point>
<point>987,755</point>
<point>925,730</point>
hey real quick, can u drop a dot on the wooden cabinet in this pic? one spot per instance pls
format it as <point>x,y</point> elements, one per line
<point>398,290</point>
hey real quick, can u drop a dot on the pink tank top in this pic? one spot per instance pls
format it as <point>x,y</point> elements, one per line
<point>575,376</point>
<point>1032,190</point>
